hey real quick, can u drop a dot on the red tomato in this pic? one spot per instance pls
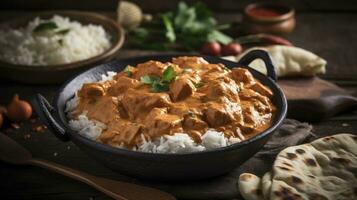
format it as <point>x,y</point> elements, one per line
<point>211,48</point>
<point>231,49</point>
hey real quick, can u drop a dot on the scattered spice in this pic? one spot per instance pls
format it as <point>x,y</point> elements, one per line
<point>8,130</point>
<point>1,119</point>
<point>27,136</point>
<point>39,128</point>
<point>15,125</point>
<point>3,112</point>
<point>345,124</point>
<point>19,110</point>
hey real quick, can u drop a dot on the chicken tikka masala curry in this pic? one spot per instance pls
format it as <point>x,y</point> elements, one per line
<point>187,95</point>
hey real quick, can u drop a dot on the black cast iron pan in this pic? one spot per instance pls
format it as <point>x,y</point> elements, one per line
<point>172,167</point>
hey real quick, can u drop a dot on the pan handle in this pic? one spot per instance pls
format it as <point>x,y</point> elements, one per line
<point>255,54</point>
<point>45,111</point>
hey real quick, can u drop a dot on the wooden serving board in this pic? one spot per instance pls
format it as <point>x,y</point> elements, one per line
<point>314,99</point>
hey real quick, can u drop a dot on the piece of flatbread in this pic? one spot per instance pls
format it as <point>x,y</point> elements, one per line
<point>325,169</point>
<point>289,61</point>
<point>250,186</point>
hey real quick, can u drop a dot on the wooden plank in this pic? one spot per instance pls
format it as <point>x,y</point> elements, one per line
<point>331,36</point>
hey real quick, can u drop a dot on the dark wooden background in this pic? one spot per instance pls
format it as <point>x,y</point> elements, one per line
<point>327,28</point>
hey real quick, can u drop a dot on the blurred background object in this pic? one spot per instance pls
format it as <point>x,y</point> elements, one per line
<point>269,18</point>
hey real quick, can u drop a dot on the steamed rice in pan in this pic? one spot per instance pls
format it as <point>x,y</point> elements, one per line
<point>185,105</point>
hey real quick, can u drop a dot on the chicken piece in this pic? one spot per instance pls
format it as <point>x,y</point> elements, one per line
<point>91,90</point>
<point>158,123</point>
<point>260,88</point>
<point>195,135</point>
<point>218,88</point>
<point>216,115</point>
<point>242,75</point>
<point>119,133</point>
<point>194,123</point>
<point>152,68</point>
<point>181,88</point>
<point>136,102</point>
<point>103,109</point>
<point>189,61</point>
<point>122,84</point>
<point>250,95</point>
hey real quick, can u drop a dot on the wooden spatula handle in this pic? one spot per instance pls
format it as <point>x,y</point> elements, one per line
<point>115,189</point>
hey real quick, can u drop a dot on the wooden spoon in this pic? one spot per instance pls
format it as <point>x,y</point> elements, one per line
<point>11,152</point>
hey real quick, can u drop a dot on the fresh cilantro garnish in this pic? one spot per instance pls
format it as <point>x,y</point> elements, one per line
<point>198,85</point>
<point>50,27</point>
<point>187,27</point>
<point>157,84</point>
<point>63,31</point>
<point>149,79</point>
<point>45,26</point>
<point>60,42</point>
<point>128,69</point>
<point>169,74</point>
<point>185,71</point>
<point>170,33</point>
<point>191,114</point>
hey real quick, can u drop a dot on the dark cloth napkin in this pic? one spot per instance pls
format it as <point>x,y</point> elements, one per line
<point>292,132</point>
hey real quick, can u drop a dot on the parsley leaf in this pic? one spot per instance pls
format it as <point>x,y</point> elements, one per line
<point>45,26</point>
<point>198,85</point>
<point>159,86</point>
<point>187,27</point>
<point>149,79</point>
<point>226,68</point>
<point>169,74</point>
<point>63,31</point>
<point>128,69</point>
<point>191,114</point>
<point>170,33</point>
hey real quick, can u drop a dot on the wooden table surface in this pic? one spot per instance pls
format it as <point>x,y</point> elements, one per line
<point>332,35</point>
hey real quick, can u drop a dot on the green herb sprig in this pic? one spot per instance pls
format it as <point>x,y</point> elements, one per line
<point>50,27</point>
<point>129,70</point>
<point>160,84</point>
<point>187,27</point>
<point>45,26</point>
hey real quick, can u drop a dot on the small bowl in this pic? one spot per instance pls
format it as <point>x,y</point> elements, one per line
<point>59,73</point>
<point>268,18</point>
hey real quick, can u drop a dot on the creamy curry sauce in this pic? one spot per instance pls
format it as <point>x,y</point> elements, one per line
<point>201,96</point>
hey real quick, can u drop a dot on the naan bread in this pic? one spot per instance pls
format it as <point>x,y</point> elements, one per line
<point>325,169</point>
<point>250,187</point>
<point>289,61</point>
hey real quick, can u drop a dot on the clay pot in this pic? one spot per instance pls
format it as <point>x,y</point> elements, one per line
<point>268,18</point>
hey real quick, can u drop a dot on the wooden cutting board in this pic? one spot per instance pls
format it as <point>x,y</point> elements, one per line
<point>314,99</point>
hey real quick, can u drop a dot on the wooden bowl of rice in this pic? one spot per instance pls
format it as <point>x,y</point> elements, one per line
<point>57,73</point>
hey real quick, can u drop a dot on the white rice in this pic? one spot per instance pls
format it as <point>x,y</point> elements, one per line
<point>23,46</point>
<point>176,143</point>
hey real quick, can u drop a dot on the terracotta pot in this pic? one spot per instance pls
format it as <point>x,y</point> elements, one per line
<point>268,18</point>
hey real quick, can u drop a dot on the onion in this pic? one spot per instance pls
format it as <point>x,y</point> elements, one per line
<point>18,110</point>
<point>1,119</point>
<point>3,112</point>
